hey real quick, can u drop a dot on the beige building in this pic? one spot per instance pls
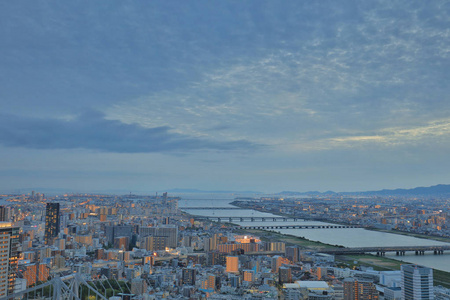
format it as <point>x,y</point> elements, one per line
<point>232,264</point>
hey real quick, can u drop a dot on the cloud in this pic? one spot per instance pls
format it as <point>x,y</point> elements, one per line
<point>431,132</point>
<point>92,131</point>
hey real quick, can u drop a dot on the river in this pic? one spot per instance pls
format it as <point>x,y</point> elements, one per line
<point>347,237</point>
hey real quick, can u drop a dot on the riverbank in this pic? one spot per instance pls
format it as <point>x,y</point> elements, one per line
<point>290,240</point>
<point>376,262</point>
<point>387,264</point>
<point>416,235</point>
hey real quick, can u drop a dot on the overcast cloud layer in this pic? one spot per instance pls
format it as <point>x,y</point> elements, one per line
<point>254,95</point>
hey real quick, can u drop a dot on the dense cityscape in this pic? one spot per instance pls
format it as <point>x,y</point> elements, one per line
<point>223,149</point>
<point>147,247</point>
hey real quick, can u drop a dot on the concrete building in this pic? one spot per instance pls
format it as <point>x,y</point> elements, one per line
<point>154,243</point>
<point>168,231</point>
<point>111,232</point>
<point>188,276</point>
<point>359,290</point>
<point>4,213</point>
<point>232,264</point>
<point>9,238</point>
<point>284,275</point>
<point>52,222</point>
<point>417,282</point>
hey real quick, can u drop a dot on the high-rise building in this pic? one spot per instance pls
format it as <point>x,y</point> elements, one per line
<point>4,213</point>
<point>293,253</point>
<point>52,222</point>
<point>284,275</point>
<point>154,243</point>
<point>235,280</point>
<point>277,261</point>
<point>417,282</point>
<point>9,238</point>
<point>232,264</point>
<point>215,258</point>
<point>275,246</point>
<point>249,275</point>
<point>188,276</point>
<point>209,283</point>
<point>111,232</point>
<point>121,242</point>
<point>359,290</point>
<point>34,272</point>
<point>168,231</point>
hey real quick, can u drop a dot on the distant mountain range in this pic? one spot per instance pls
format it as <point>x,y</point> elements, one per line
<point>195,191</point>
<point>440,189</point>
<point>436,190</point>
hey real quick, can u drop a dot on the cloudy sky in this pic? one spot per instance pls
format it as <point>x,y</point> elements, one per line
<point>224,95</point>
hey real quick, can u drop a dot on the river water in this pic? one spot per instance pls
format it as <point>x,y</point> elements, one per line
<point>347,237</point>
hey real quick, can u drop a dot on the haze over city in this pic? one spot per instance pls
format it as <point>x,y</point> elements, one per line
<point>255,95</point>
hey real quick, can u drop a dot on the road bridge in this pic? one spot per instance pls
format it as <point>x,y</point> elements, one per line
<point>265,227</point>
<point>399,250</point>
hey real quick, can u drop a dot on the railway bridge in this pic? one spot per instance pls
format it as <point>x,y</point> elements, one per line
<point>231,219</point>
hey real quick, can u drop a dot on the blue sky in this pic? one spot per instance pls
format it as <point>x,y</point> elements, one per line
<point>224,95</point>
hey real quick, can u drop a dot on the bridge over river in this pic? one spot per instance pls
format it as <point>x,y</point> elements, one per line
<point>298,226</point>
<point>399,250</point>
<point>211,208</point>
<point>231,219</point>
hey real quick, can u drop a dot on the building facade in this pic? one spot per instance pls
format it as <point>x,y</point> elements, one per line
<point>9,238</point>
<point>417,282</point>
<point>359,290</point>
<point>52,222</point>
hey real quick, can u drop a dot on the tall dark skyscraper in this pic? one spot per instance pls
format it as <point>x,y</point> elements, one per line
<point>4,213</point>
<point>52,222</point>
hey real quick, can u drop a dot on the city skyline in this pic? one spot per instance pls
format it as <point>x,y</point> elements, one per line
<point>257,96</point>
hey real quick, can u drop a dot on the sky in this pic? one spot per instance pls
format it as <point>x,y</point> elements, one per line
<point>257,95</point>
